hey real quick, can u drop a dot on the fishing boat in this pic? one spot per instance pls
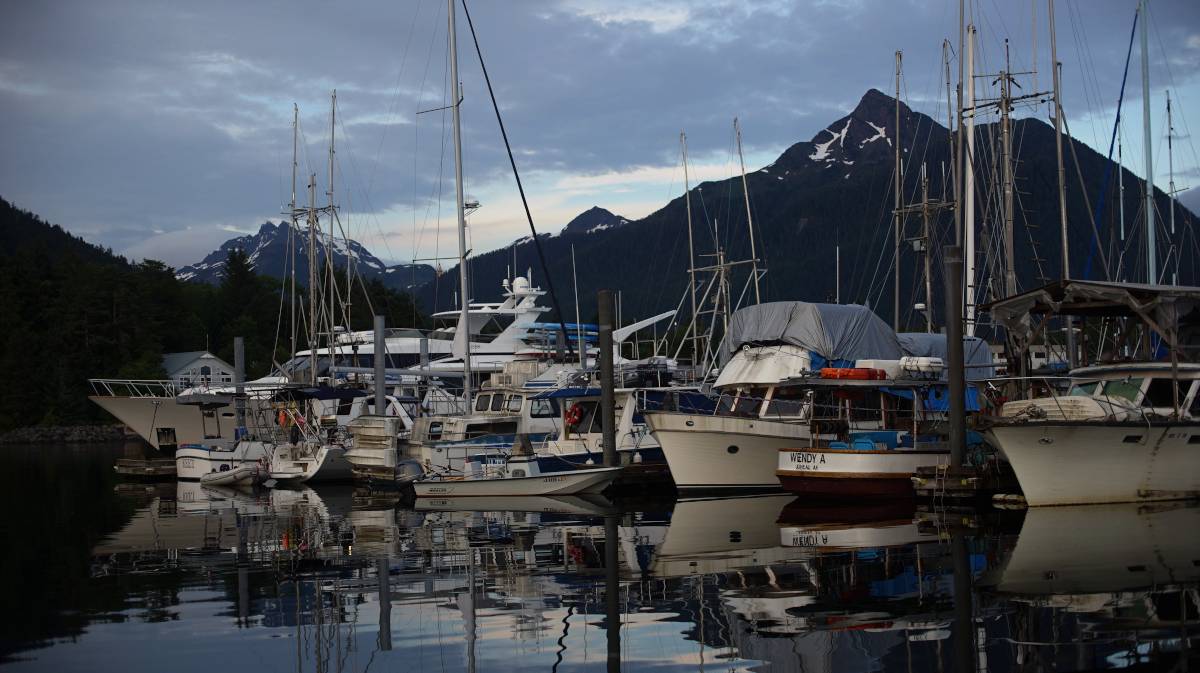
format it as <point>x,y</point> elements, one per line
<point>1125,430</point>
<point>871,434</point>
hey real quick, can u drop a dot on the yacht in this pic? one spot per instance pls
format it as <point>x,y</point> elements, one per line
<point>1124,431</point>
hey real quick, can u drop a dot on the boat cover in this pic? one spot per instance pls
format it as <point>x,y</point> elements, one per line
<point>835,334</point>
<point>977,356</point>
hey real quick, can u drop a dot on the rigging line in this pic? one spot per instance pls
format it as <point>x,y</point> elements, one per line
<point>537,243</point>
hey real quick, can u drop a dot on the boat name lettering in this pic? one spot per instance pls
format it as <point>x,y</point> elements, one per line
<point>547,480</point>
<point>809,540</point>
<point>803,461</point>
<point>186,462</point>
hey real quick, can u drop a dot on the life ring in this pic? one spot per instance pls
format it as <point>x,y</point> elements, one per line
<point>574,414</point>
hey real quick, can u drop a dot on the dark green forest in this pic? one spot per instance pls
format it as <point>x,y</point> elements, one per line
<point>75,311</point>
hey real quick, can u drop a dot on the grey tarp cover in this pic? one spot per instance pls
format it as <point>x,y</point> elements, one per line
<point>976,354</point>
<point>833,331</point>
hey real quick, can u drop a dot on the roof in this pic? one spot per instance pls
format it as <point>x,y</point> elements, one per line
<point>833,331</point>
<point>173,362</point>
<point>1164,308</point>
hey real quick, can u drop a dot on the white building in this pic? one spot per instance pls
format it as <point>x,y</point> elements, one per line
<point>196,368</point>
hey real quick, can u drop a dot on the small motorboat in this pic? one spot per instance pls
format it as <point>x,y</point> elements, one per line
<point>243,475</point>
<point>519,475</point>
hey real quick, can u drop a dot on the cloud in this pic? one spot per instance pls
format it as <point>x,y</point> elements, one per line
<point>175,117</point>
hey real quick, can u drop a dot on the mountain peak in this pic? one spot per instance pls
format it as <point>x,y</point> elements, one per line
<point>593,219</point>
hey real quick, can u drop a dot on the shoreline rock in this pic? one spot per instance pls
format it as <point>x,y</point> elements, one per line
<point>64,434</point>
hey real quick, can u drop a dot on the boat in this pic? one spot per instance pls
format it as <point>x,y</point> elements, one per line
<point>243,475</point>
<point>520,475</point>
<point>193,461</point>
<point>309,462</point>
<point>1124,431</point>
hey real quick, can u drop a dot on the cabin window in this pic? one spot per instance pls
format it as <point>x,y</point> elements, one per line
<point>344,407</point>
<point>435,431</point>
<point>543,408</point>
<point>1159,392</point>
<point>514,403</point>
<point>1084,389</point>
<point>517,474</point>
<point>1126,389</point>
<point>497,402</point>
<point>482,402</point>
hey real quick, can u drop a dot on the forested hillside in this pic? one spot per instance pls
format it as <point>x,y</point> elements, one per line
<point>74,311</point>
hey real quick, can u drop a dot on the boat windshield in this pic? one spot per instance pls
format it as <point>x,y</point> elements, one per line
<point>1127,389</point>
<point>1084,389</point>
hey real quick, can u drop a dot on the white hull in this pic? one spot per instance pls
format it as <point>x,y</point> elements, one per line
<point>326,463</point>
<point>1078,464</point>
<point>557,483</point>
<point>723,452</point>
<point>853,472</point>
<point>147,416</point>
<point>191,462</point>
<point>836,537</point>
<point>242,476</point>
<point>711,535</point>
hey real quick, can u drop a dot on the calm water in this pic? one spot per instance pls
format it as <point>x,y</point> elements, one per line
<point>105,576</point>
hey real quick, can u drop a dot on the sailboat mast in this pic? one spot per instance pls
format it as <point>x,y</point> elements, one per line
<point>332,232</point>
<point>737,131</point>
<point>687,198</point>
<point>896,210</point>
<point>292,220</point>
<point>465,318</point>
<point>928,245</point>
<point>1151,243</point>
<point>1171,181</point>
<point>1058,145</point>
<point>969,185</point>
<point>1121,181</point>
<point>1010,270</point>
<point>312,278</point>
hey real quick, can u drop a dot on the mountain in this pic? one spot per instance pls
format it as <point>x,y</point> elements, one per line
<point>592,220</point>
<point>268,252</point>
<point>834,192</point>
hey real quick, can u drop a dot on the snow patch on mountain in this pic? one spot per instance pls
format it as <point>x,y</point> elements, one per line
<point>822,151</point>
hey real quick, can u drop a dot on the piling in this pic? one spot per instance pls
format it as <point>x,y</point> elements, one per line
<point>955,372</point>
<point>239,380</point>
<point>380,361</point>
<point>604,300</point>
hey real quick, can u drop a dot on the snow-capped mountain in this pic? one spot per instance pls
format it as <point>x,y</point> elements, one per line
<point>268,252</point>
<point>592,220</point>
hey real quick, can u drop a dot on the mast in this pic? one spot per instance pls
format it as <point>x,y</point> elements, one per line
<point>1010,271</point>
<point>312,278</point>
<point>1121,182</point>
<point>1151,244</point>
<point>1171,183</point>
<point>896,209</point>
<point>737,131</point>
<point>1058,148</point>
<point>928,245</point>
<point>687,198</point>
<point>292,219</point>
<point>332,233</point>
<point>465,318</point>
<point>969,186</point>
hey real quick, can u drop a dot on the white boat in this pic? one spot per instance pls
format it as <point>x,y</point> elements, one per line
<point>193,461</point>
<point>1111,439</point>
<point>309,462</point>
<point>239,476</point>
<point>1125,432</point>
<point>579,505</point>
<point>519,476</point>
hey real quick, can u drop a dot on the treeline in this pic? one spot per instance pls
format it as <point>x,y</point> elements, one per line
<point>73,311</point>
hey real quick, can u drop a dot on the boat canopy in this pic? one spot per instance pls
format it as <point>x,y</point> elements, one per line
<point>835,334</point>
<point>977,356</point>
<point>1173,311</point>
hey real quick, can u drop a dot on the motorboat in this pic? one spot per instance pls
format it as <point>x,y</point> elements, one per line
<point>193,461</point>
<point>520,475</point>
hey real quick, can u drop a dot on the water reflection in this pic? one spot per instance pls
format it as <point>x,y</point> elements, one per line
<point>331,579</point>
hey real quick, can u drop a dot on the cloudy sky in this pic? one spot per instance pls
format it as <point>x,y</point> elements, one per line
<point>162,128</point>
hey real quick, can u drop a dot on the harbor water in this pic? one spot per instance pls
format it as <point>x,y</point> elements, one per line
<point>110,575</point>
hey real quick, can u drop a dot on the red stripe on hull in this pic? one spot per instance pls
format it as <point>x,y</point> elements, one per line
<point>849,487</point>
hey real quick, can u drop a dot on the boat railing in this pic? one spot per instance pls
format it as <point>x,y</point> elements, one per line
<point>1051,387</point>
<point>134,387</point>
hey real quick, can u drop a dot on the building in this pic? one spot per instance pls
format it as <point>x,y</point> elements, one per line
<point>197,368</point>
